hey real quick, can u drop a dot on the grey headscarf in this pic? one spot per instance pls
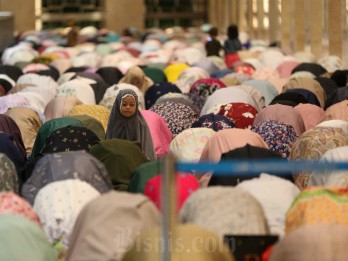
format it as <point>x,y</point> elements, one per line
<point>132,128</point>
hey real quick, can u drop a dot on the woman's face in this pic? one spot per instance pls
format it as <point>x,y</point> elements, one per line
<point>128,106</point>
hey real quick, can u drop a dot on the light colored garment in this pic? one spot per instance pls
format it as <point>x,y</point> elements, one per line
<point>255,93</point>
<point>271,57</point>
<point>286,67</point>
<point>112,92</point>
<point>21,239</point>
<point>224,96</point>
<point>267,89</point>
<point>338,111</point>
<point>313,144</point>
<point>12,100</point>
<point>108,225</point>
<point>283,113</point>
<point>62,64</point>
<point>36,100</point>
<point>307,84</point>
<point>189,144</point>
<point>225,211</point>
<point>58,205</point>
<point>136,76</point>
<point>98,112</point>
<point>333,177</point>
<point>275,196</point>
<point>209,247</point>
<point>161,135</point>
<point>78,88</point>
<point>45,85</point>
<point>331,63</point>
<point>60,107</point>
<point>311,114</point>
<point>29,124</point>
<point>341,124</point>
<point>308,243</point>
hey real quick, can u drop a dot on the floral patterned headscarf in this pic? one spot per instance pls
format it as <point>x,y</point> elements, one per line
<point>241,114</point>
<point>279,136</point>
<point>205,87</point>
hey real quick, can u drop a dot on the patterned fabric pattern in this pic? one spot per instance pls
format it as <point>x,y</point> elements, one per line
<point>213,121</point>
<point>67,165</point>
<point>8,175</point>
<point>279,136</point>
<point>99,112</point>
<point>70,138</point>
<point>205,87</point>
<point>313,144</point>
<point>12,204</point>
<point>241,114</point>
<point>178,116</point>
<point>322,205</point>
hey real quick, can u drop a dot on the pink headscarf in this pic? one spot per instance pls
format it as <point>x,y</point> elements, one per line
<point>283,113</point>
<point>338,111</point>
<point>161,135</point>
<point>60,106</point>
<point>186,184</point>
<point>311,114</point>
<point>12,204</point>
<point>229,139</point>
<point>286,67</point>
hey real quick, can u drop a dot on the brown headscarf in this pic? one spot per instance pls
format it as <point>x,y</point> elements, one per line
<point>29,124</point>
<point>108,225</point>
<point>136,77</point>
<point>308,243</point>
<point>307,84</point>
<point>208,247</point>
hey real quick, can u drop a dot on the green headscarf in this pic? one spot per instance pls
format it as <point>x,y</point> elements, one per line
<point>23,240</point>
<point>141,176</point>
<point>121,158</point>
<point>92,124</point>
<point>48,128</point>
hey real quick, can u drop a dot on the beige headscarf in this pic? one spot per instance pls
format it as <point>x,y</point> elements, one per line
<point>60,107</point>
<point>308,84</point>
<point>225,211</point>
<point>108,225</point>
<point>136,77</point>
<point>29,124</point>
<point>313,242</point>
<point>196,244</point>
<point>338,111</point>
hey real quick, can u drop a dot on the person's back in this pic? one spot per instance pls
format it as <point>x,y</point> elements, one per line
<point>213,46</point>
<point>232,44</point>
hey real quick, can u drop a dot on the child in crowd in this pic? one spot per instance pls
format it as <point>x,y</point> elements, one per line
<point>126,122</point>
